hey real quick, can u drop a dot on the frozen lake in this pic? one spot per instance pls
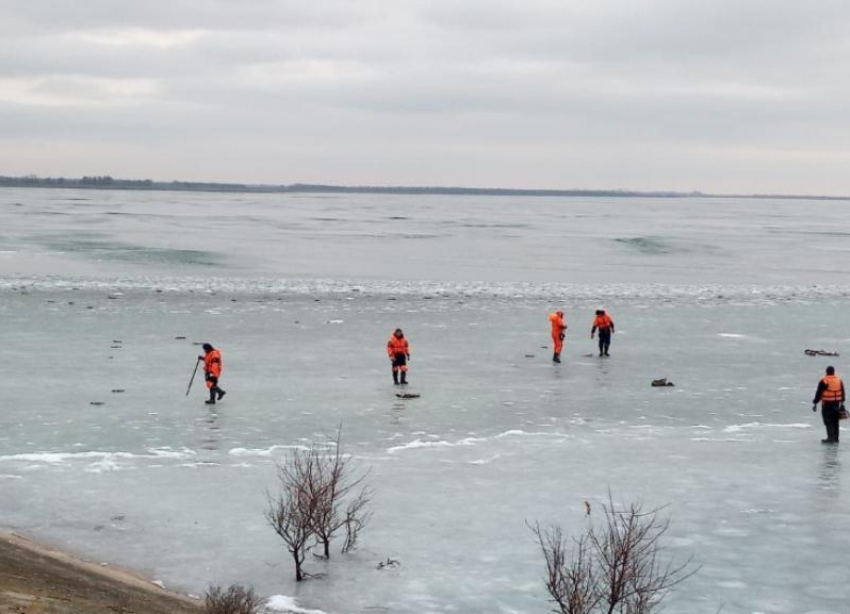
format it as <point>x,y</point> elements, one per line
<point>301,293</point>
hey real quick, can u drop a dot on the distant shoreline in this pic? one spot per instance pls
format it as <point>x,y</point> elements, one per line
<point>109,183</point>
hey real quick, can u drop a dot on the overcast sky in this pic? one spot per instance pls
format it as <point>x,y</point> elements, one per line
<point>713,95</point>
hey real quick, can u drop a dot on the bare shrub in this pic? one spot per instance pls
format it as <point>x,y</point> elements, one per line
<point>291,513</point>
<point>318,496</point>
<point>338,506</point>
<point>234,600</point>
<point>615,567</point>
<point>356,517</point>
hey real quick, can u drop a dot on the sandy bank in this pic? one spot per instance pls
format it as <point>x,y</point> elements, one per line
<point>35,579</point>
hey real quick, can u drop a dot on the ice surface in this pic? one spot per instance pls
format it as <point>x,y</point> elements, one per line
<point>282,603</point>
<point>721,297</point>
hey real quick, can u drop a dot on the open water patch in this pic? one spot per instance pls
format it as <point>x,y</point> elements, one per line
<point>653,246</point>
<point>97,249</point>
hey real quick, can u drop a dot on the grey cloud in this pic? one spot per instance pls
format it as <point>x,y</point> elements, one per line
<point>423,90</point>
<point>57,16</point>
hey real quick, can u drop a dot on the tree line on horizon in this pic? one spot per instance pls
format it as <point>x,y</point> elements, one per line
<point>108,182</point>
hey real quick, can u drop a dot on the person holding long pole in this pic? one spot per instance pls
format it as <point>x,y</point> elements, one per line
<point>212,371</point>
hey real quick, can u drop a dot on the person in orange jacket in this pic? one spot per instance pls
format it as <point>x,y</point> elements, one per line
<point>399,352</point>
<point>559,328</point>
<point>605,325</point>
<point>830,395</point>
<point>212,371</point>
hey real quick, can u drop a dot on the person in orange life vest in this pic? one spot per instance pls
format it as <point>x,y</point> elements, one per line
<point>399,352</point>
<point>605,325</point>
<point>212,371</point>
<point>559,328</point>
<point>830,395</point>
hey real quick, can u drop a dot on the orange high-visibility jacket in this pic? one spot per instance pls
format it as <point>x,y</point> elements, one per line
<point>212,363</point>
<point>397,346</point>
<point>558,324</point>
<point>603,322</point>
<point>834,389</point>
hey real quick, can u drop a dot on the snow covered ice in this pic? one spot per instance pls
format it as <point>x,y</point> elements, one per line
<point>301,294</point>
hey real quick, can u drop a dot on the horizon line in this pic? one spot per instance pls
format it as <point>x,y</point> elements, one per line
<point>107,182</point>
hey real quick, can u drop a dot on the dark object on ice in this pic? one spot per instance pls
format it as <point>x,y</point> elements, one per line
<point>389,563</point>
<point>117,341</point>
<point>819,353</point>
<point>660,383</point>
<point>96,403</point>
<point>115,347</point>
<point>118,390</point>
<point>407,395</point>
<point>179,337</point>
<point>529,355</point>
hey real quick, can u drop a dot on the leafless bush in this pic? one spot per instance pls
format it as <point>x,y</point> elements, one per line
<point>356,517</point>
<point>337,504</point>
<point>614,568</point>
<point>318,496</point>
<point>235,600</point>
<point>291,513</point>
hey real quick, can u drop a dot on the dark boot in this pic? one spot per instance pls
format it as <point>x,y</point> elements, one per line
<point>556,357</point>
<point>211,400</point>
<point>404,378</point>
<point>395,378</point>
<point>832,432</point>
<point>220,393</point>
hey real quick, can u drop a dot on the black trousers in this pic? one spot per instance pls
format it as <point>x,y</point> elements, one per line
<point>604,340</point>
<point>829,411</point>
